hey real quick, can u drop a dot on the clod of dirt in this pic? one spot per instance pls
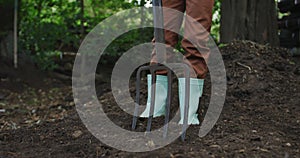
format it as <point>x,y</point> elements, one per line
<point>2,96</point>
<point>297,71</point>
<point>77,134</point>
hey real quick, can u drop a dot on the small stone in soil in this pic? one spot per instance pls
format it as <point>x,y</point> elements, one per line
<point>77,134</point>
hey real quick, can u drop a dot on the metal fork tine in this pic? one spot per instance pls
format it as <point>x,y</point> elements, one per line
<point>153,69</point>
<point>168,104</point>
<point>186,102</point>
<point>137,104</point>
<point>153,90</point>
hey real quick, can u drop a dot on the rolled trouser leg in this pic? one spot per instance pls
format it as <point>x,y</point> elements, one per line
<point>172,23</point>
<point>196,34</point>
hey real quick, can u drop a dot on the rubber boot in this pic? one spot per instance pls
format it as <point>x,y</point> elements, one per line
<point>161,92</point>
<point>196,89</point>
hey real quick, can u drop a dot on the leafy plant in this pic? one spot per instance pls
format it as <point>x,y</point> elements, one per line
<point>45,60</point>
<point>215,29</point>
<point>56,25</point>
<point>48,27</point>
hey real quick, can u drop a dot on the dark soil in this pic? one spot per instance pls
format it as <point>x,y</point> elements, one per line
<point>260,117</point>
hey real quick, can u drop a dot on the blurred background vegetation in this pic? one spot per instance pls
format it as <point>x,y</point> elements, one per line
<point>46,29</point>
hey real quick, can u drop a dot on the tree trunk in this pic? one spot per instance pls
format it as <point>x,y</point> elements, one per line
<point>16,34</point>
<point>253,20</point>
<point>6,30</point>
<point>82,30</point>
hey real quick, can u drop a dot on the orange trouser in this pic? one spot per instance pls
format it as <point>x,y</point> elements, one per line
<point>201,12</point>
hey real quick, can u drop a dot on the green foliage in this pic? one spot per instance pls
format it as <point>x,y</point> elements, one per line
<point>48,27</point>
<point>43,29</point>
<point>96,11</point>
<point>45,60</point>
<point>215,29</point>
<point>129,40</point>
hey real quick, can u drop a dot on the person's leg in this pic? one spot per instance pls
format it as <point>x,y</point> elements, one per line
<point>172,21</point>
<point>199,11</point>
<point>196,88</point>
<point>161,92</point>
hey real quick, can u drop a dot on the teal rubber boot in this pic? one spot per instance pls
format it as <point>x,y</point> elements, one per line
<point>196,90</point>
<point>161,91</point>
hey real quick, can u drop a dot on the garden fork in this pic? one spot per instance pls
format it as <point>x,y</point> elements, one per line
<point>153,68</point>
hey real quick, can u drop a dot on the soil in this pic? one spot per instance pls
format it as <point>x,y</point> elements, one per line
<point>260,117</point>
